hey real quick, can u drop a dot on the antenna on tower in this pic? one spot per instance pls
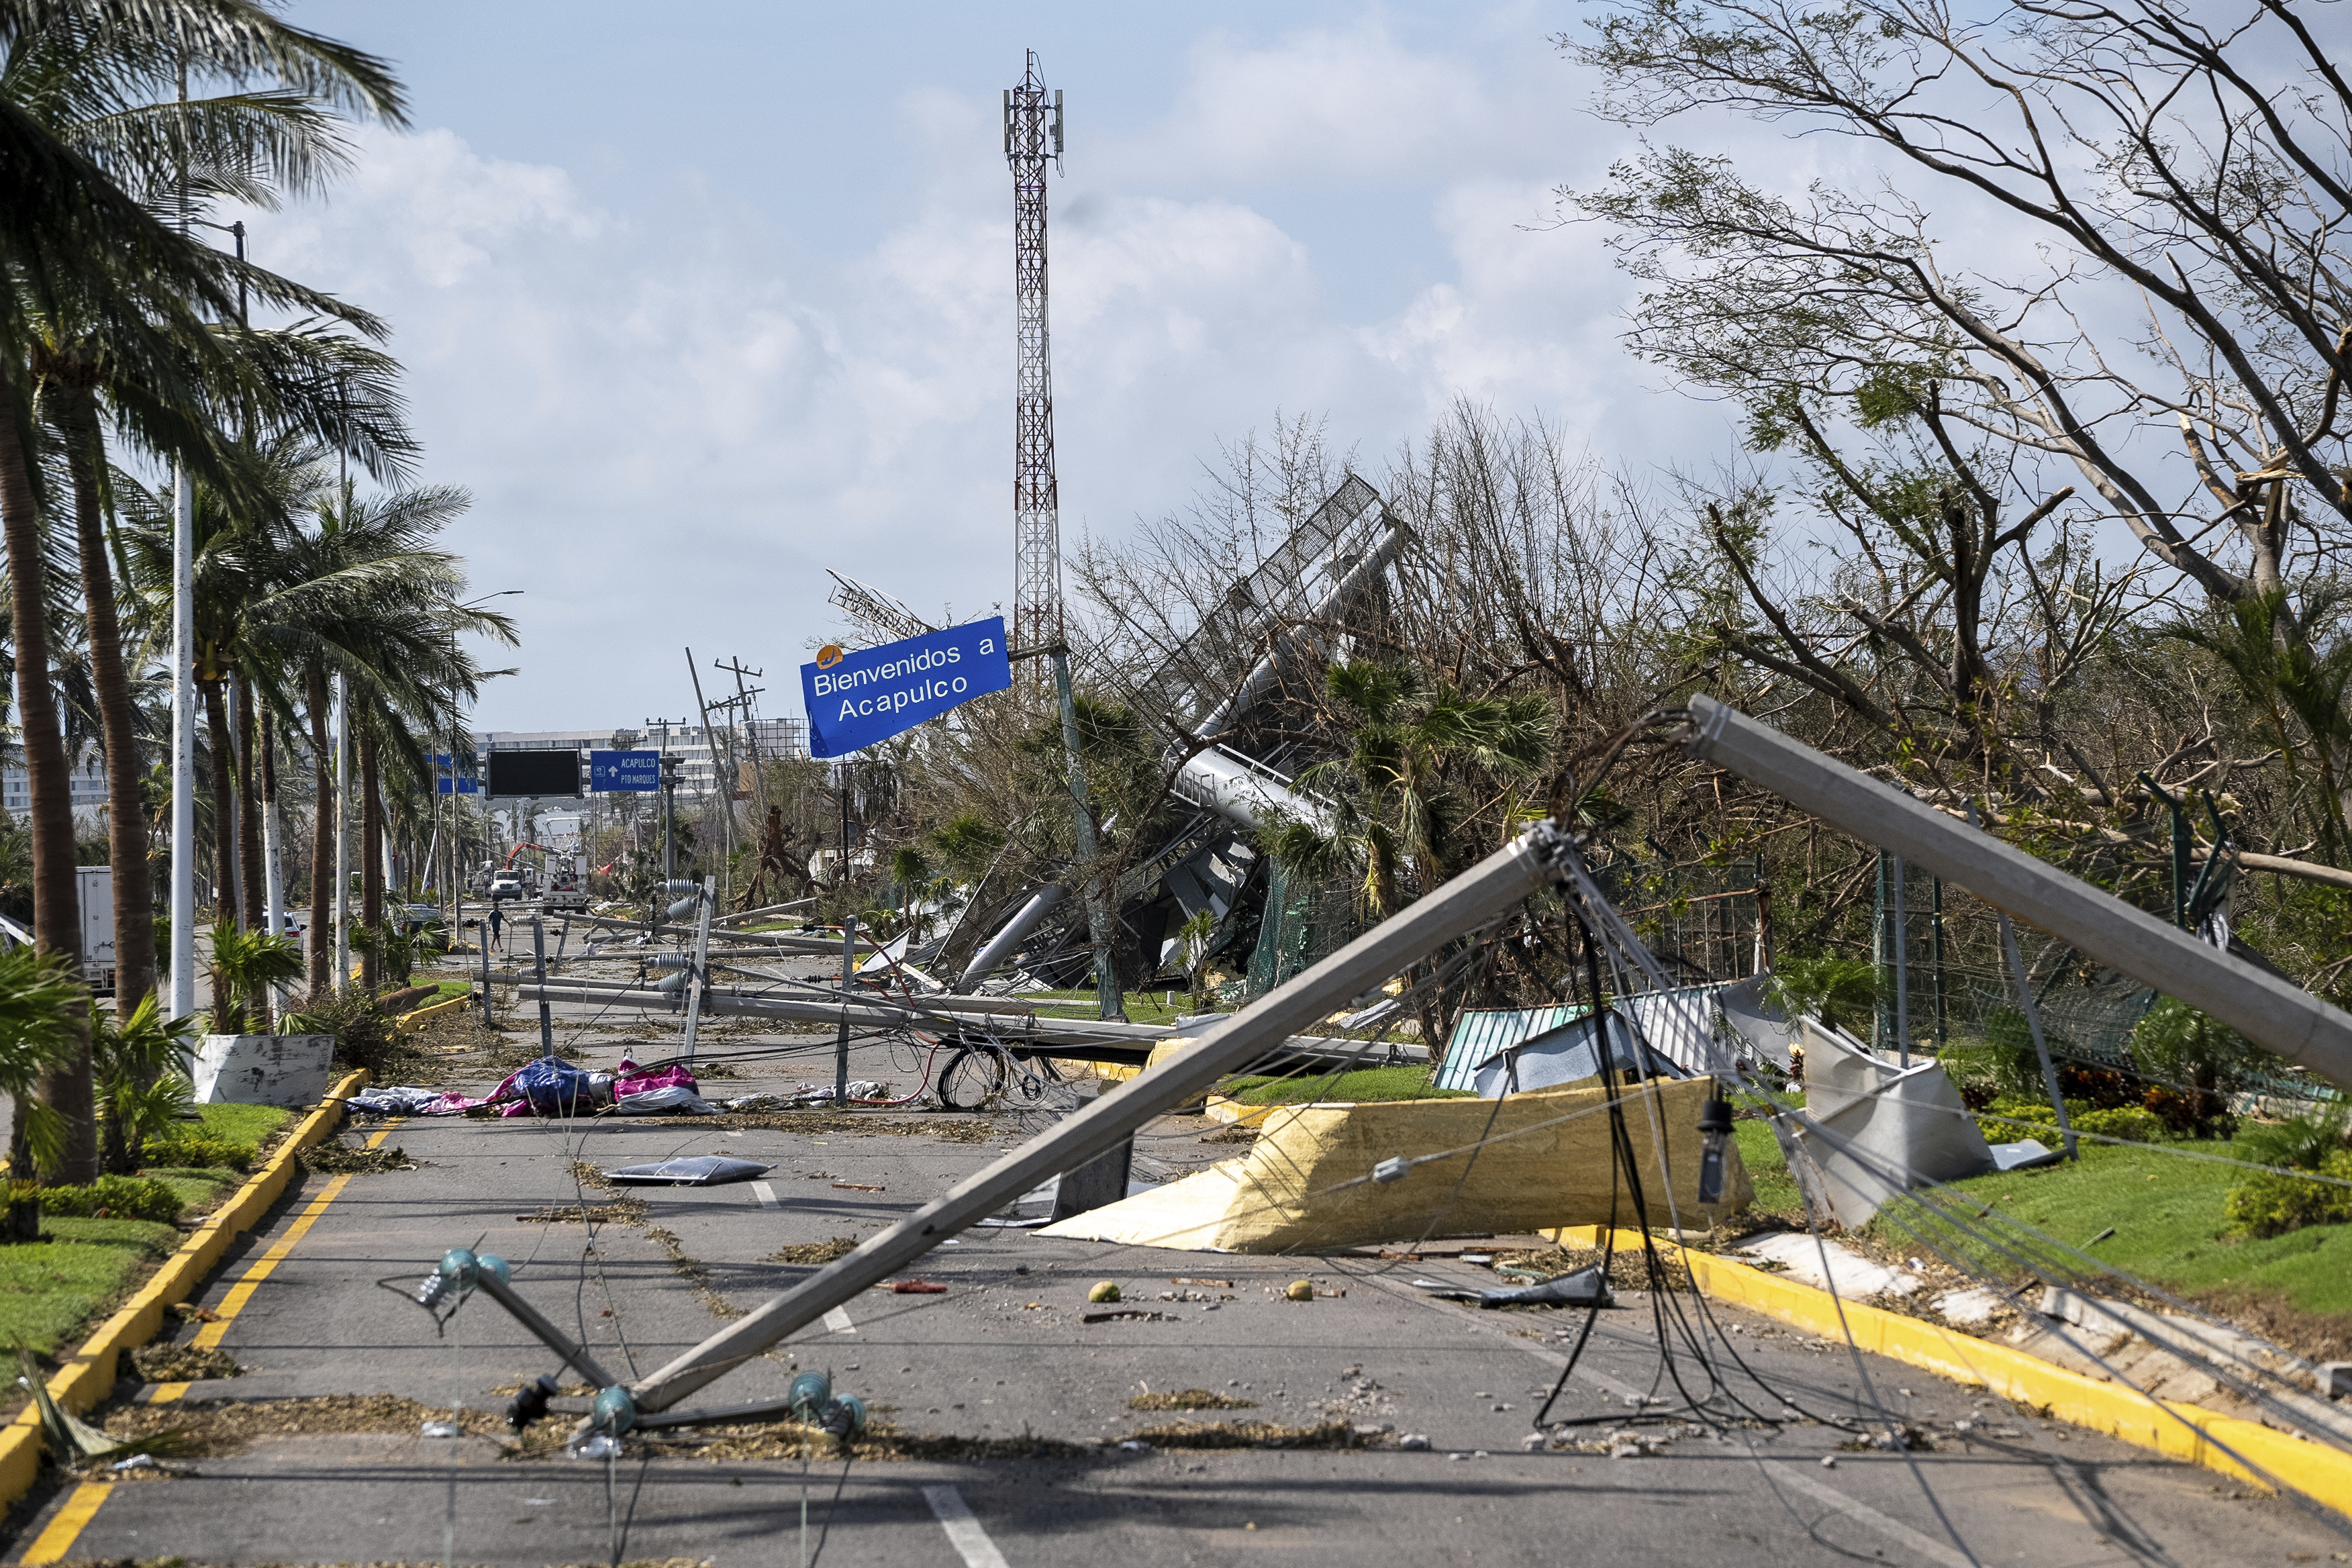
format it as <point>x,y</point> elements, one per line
<point>1033,133</point>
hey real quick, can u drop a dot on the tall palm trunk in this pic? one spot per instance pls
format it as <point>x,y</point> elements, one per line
<point>370,858</point>
<point>223,793</point>
<point>74,414</point>
<point>273,834</point>
<point>248,809</point>
<point>75,419</point>
<point>322,837</point>
<point>57,916</point>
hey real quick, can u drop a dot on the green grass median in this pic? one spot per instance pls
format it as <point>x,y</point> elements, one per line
<point>2168,1209</point>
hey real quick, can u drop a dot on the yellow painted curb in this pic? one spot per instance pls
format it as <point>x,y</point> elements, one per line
<point>2188,1432</point>
<point>89,1376</point>
<point>408,1021</point>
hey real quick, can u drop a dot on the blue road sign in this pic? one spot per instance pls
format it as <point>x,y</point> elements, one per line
<point>466,783</point>
<point>869,695</point>
<point>624,773</point>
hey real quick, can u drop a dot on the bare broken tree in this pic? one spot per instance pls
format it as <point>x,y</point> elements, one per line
<point>2193,178</point>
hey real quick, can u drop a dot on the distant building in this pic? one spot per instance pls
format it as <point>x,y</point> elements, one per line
<point>702,753</point>
<point>88,787</point>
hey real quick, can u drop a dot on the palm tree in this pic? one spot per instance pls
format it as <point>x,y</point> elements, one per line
<point>1397,792</point>
<point>75,246</point>
<point>141,1063</point>
<point>42,1024</point>
<point>382,610</point>
<point>247,965</point>
<point>280,609</point>
<point>87,85</point>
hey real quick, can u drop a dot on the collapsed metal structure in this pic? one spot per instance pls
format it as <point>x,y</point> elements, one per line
<point>1207,700</point>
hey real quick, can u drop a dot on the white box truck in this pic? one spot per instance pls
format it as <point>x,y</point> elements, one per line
<point>96,885</point>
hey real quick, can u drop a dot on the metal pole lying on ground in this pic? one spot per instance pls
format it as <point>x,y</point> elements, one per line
<point>2274,1013</point>
<point>1488,890</point>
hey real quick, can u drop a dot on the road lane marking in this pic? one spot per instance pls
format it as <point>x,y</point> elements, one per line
<point>1902,1535</point>
<point>964,1533</point>
<point>766,1195</point>
<point>837,1322</point>
<point>210,1336</point>
<point>52,1544</point>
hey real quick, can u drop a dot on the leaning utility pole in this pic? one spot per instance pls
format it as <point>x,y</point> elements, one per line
<point>1030,123</point>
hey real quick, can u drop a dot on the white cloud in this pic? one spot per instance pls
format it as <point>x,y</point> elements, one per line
<point>671,429</point>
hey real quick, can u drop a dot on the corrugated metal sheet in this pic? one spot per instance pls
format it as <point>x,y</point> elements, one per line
<point>1664,1019</point>
<point>1481,1032</point>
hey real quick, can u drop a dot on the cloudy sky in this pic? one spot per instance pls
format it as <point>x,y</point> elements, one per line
<point>702,301</point>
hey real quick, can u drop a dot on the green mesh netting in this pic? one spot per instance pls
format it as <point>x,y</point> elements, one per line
<point>1307,920</point>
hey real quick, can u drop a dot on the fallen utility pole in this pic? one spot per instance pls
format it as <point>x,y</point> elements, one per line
<point>2275,1013</point>
<point>766,910</point>
<point>782,942</point>
<point>1486,893</point>
<point>1137,1039</point>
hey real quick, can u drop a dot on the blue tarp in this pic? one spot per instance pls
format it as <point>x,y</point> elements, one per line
<point>554,1088</point>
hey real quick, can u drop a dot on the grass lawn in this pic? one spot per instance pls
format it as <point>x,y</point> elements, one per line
<point>449,988</point>
<point>1361,1086</point>
<point>2170,1227</point>
<point>247,1125</point>
<point>202,1188</point>
<point>50,1291</point>
<point>1142,1006</point>
<point>1759,1150</point>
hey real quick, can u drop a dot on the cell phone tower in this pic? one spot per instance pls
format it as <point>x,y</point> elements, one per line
<point>1033,133</point>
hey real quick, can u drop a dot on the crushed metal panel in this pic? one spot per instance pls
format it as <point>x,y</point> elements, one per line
<point>1882,1129</point>
<point>1766,1031</point>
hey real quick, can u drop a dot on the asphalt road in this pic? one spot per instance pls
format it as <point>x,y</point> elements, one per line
<point>1005,1353</point>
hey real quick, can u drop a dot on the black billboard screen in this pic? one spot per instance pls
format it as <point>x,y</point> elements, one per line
<point>535,773</point>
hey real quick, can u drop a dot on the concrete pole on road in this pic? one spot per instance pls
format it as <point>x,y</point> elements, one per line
<point>2275,1013</point>
<point>1485,892</point>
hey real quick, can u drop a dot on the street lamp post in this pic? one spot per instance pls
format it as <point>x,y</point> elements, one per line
<point>182,1001</point>
<point>184,744</point>
<point>342,833</point>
